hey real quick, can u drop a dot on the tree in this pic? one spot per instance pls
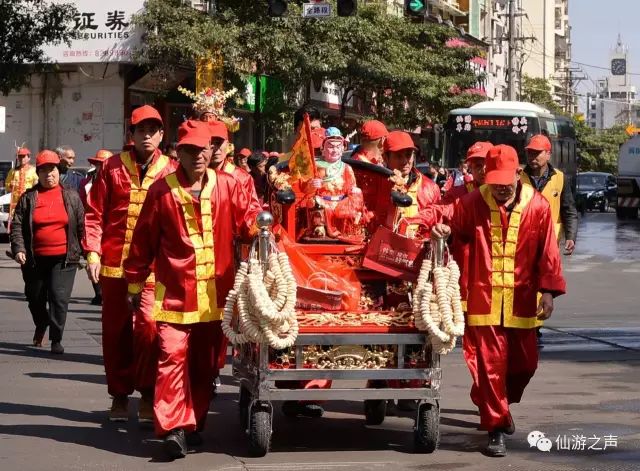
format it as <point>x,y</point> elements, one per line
<point>538,91</point>
<point>27,25</point>
<point>404,65</point>
<point>598,150</point>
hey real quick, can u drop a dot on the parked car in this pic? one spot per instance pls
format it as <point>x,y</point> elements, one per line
<point>595,190</point>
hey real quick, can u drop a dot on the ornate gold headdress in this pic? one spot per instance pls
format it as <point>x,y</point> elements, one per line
<point>212,100</point>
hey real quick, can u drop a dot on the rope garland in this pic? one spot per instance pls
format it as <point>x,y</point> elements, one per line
<point>265,303</point>
<point>437,306</point>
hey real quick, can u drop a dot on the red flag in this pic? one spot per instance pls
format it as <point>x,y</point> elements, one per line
<point>302,164</point>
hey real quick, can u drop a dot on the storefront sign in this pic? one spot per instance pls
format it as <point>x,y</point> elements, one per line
<point>271,94</point>
<point>330,95</point>
<point>103,33</point>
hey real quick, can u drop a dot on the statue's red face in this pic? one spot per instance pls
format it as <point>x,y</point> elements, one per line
<point>332,150</point>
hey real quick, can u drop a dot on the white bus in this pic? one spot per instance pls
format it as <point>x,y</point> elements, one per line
<point>512,123</point>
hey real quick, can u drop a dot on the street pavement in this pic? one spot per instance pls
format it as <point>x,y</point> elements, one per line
<point>585,393</point>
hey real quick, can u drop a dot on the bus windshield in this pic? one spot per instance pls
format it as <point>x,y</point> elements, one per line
<point>457,142</point>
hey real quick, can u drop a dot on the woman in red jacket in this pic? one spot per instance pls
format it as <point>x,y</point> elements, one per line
<point>47,227</point>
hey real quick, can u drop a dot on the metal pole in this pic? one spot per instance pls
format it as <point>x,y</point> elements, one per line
<point>264,221</point>
<point>512,50</point>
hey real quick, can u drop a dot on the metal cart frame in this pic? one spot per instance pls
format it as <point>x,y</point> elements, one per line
<point>251,366</point>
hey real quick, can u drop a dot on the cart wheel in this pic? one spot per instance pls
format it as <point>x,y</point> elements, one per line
<point>259,430</point>
<point>427,429</point>
<point>375,410</point>
<point>243,407</point>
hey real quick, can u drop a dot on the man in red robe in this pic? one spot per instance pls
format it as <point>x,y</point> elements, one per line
<point>373,134</point>
<point>187,227</point>
<point>220,162</point>
<point>475,160</point>
<point>475,163</point>
<point>113,207</point>
<point>399,155</point>
<point>513,255</point>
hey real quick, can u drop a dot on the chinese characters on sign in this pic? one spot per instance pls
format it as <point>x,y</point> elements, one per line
<point>103,32</point>
<point>316,10</point>
<point>395,257</point>
<point>463,123</point>
<point>516,124</point>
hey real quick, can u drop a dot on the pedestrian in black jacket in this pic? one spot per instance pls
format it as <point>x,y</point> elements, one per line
<point>46,230</point>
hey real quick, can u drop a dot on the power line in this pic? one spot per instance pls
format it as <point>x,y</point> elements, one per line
<point>602,68</point>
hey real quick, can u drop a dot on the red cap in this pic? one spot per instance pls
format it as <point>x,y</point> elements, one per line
<point>100,156</point>
<point>398,140</point>
<point>501,165</point>
<point>194,133</point>
<point>317,137</point>
<point>24,151</point>
<point>539,142</point>
<point>45,157</point>
<point>372,130</point>
<point>479,150</point>
<point>218,129</point>
<point>244,152</point>
<point>143,113</point>
<point>274,154</point>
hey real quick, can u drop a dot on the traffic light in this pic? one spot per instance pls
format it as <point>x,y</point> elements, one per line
<point>277,7</point>
<point>347,7</point>
<point>415,7</point>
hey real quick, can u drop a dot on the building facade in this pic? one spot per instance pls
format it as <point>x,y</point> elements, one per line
<point>615,101</point>
<point>545,47</point>
<point>86,101</point>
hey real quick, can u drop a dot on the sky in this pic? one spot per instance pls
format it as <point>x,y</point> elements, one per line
<point>595,25</point>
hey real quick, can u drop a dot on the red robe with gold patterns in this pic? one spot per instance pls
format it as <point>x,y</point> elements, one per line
<point>362,155</point>
<point>17,182</point>
<point>459,250</point>
<point>113,207</point>
<point>511,258</point>
<point>190,240</point>
<point>246,182</point>
<point>457,192</point>
<point>424,193</point>
<point>245,179</point>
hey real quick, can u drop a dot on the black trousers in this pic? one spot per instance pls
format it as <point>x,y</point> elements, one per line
<point>48,287</point>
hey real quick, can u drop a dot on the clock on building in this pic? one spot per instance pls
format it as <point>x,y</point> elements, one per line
<point>618,66</point>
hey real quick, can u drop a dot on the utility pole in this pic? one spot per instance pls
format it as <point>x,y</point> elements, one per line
<point>512,50</point>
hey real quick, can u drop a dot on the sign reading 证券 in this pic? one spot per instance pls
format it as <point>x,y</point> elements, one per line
<point>103,32</point>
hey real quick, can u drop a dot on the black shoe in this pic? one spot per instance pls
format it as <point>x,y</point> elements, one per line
<point>496,446</point>
<point>175,444</point>
<point>194,439</point>
<point>295,408</point>
<point>96,301</point>
<point>511,429</point>
<point>57,348</point>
